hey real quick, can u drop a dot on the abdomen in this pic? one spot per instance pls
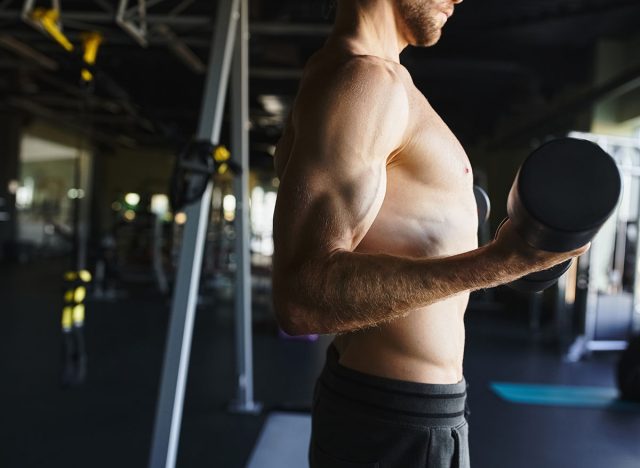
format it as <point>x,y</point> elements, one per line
<point>425,346</point>
<point>428,344</point>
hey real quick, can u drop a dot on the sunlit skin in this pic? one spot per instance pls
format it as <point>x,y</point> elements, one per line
<point>375,223</point>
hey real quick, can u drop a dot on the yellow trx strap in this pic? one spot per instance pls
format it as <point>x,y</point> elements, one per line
<point>90,41</point>
<point>48,19</point>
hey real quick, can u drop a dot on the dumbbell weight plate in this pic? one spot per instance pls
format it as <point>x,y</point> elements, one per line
<point>580,190</point>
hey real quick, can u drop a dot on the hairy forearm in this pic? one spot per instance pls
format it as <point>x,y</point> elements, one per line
<point>352,290</point>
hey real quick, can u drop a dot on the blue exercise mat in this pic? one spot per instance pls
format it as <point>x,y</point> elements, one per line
<point>563,395</point>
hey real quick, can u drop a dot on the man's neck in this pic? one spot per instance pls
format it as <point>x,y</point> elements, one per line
<point>367,27</point>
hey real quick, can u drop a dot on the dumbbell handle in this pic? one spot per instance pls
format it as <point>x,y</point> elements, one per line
<point>539,280</point>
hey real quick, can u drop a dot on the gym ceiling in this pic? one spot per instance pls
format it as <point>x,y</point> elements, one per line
<point>499,72</point>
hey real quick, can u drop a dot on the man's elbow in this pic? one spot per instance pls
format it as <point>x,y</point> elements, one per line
<point>293,327</point>
<point>293,319</point>
<point>296,300</point>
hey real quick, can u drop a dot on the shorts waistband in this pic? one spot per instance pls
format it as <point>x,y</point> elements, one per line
<point>439,404</point>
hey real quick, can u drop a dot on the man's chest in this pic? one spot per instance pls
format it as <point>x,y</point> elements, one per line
<point>429,204</point>
<point>432,155</point>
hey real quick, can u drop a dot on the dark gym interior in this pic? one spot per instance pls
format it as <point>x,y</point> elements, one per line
<point>104,107</point>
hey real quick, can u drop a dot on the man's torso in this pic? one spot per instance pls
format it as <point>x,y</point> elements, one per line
<point>429,210</point>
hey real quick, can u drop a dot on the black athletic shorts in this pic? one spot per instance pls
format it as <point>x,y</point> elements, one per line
<point>360,420</point>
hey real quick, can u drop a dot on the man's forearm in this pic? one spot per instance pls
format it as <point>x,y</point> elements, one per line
<point>352,290</point>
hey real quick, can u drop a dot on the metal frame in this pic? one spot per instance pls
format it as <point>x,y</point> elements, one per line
<point>123,19</point>
<point>180,7</point>
<point>85,178</point>
<point>157,244</point>
<point>105,5</point>
<point>587,342</point>
<point>27,9</point>
<point>180,49</point>
<point>618,85</point>
<point>28,52</point>
<point>176,361</point>
<point>263,28</point>
<point>243,402</point>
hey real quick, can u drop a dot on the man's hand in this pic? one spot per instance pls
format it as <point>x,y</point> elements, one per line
<point>520,258</point>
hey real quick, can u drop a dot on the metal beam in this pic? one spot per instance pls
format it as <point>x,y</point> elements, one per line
<point>243,402</point>
<point>137,31</point>
<point>616,86</point>
<point>27,52</point>
<point>262,28</point>
<point>141,8</point>
<point>180,7</point>
<point>110,105</point>
<point>37,110</point>
<point>555,11</point>
<point>180,49</point>
<point>85,175</point>
<point>290,29</point>
<point>274,73</point>
<point>102,18</point>
<point>166,432</point>
<point>105,5</point>
<point>117,37</point>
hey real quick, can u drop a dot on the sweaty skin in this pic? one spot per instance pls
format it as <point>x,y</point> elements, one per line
<point>375,222</point>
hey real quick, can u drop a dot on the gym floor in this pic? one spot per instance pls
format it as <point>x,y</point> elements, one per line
<point>108,421</point>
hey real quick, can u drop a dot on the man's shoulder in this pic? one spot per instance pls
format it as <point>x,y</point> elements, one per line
<point>330,68</point>
<point>352,78</point>
<point>337,95</point>
<point>370,70</point>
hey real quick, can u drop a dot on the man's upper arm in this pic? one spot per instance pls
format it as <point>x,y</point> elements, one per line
<point>335,179</point>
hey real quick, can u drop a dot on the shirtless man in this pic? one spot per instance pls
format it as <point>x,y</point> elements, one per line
<point>375,240</point>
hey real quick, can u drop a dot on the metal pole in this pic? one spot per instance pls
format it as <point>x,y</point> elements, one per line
<point>158,268</point>
<point>85,192</point>
<point>243,402</point>
<point>176,361</point>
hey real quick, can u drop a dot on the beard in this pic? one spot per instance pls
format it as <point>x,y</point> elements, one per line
<point>421,23</point>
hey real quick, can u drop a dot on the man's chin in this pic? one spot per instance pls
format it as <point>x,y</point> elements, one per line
<point>430,41</point>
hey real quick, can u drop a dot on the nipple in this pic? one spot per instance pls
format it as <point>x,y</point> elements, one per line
<point>466,170</point>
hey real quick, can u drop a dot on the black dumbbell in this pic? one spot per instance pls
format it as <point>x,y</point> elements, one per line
<point>562,195</point>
